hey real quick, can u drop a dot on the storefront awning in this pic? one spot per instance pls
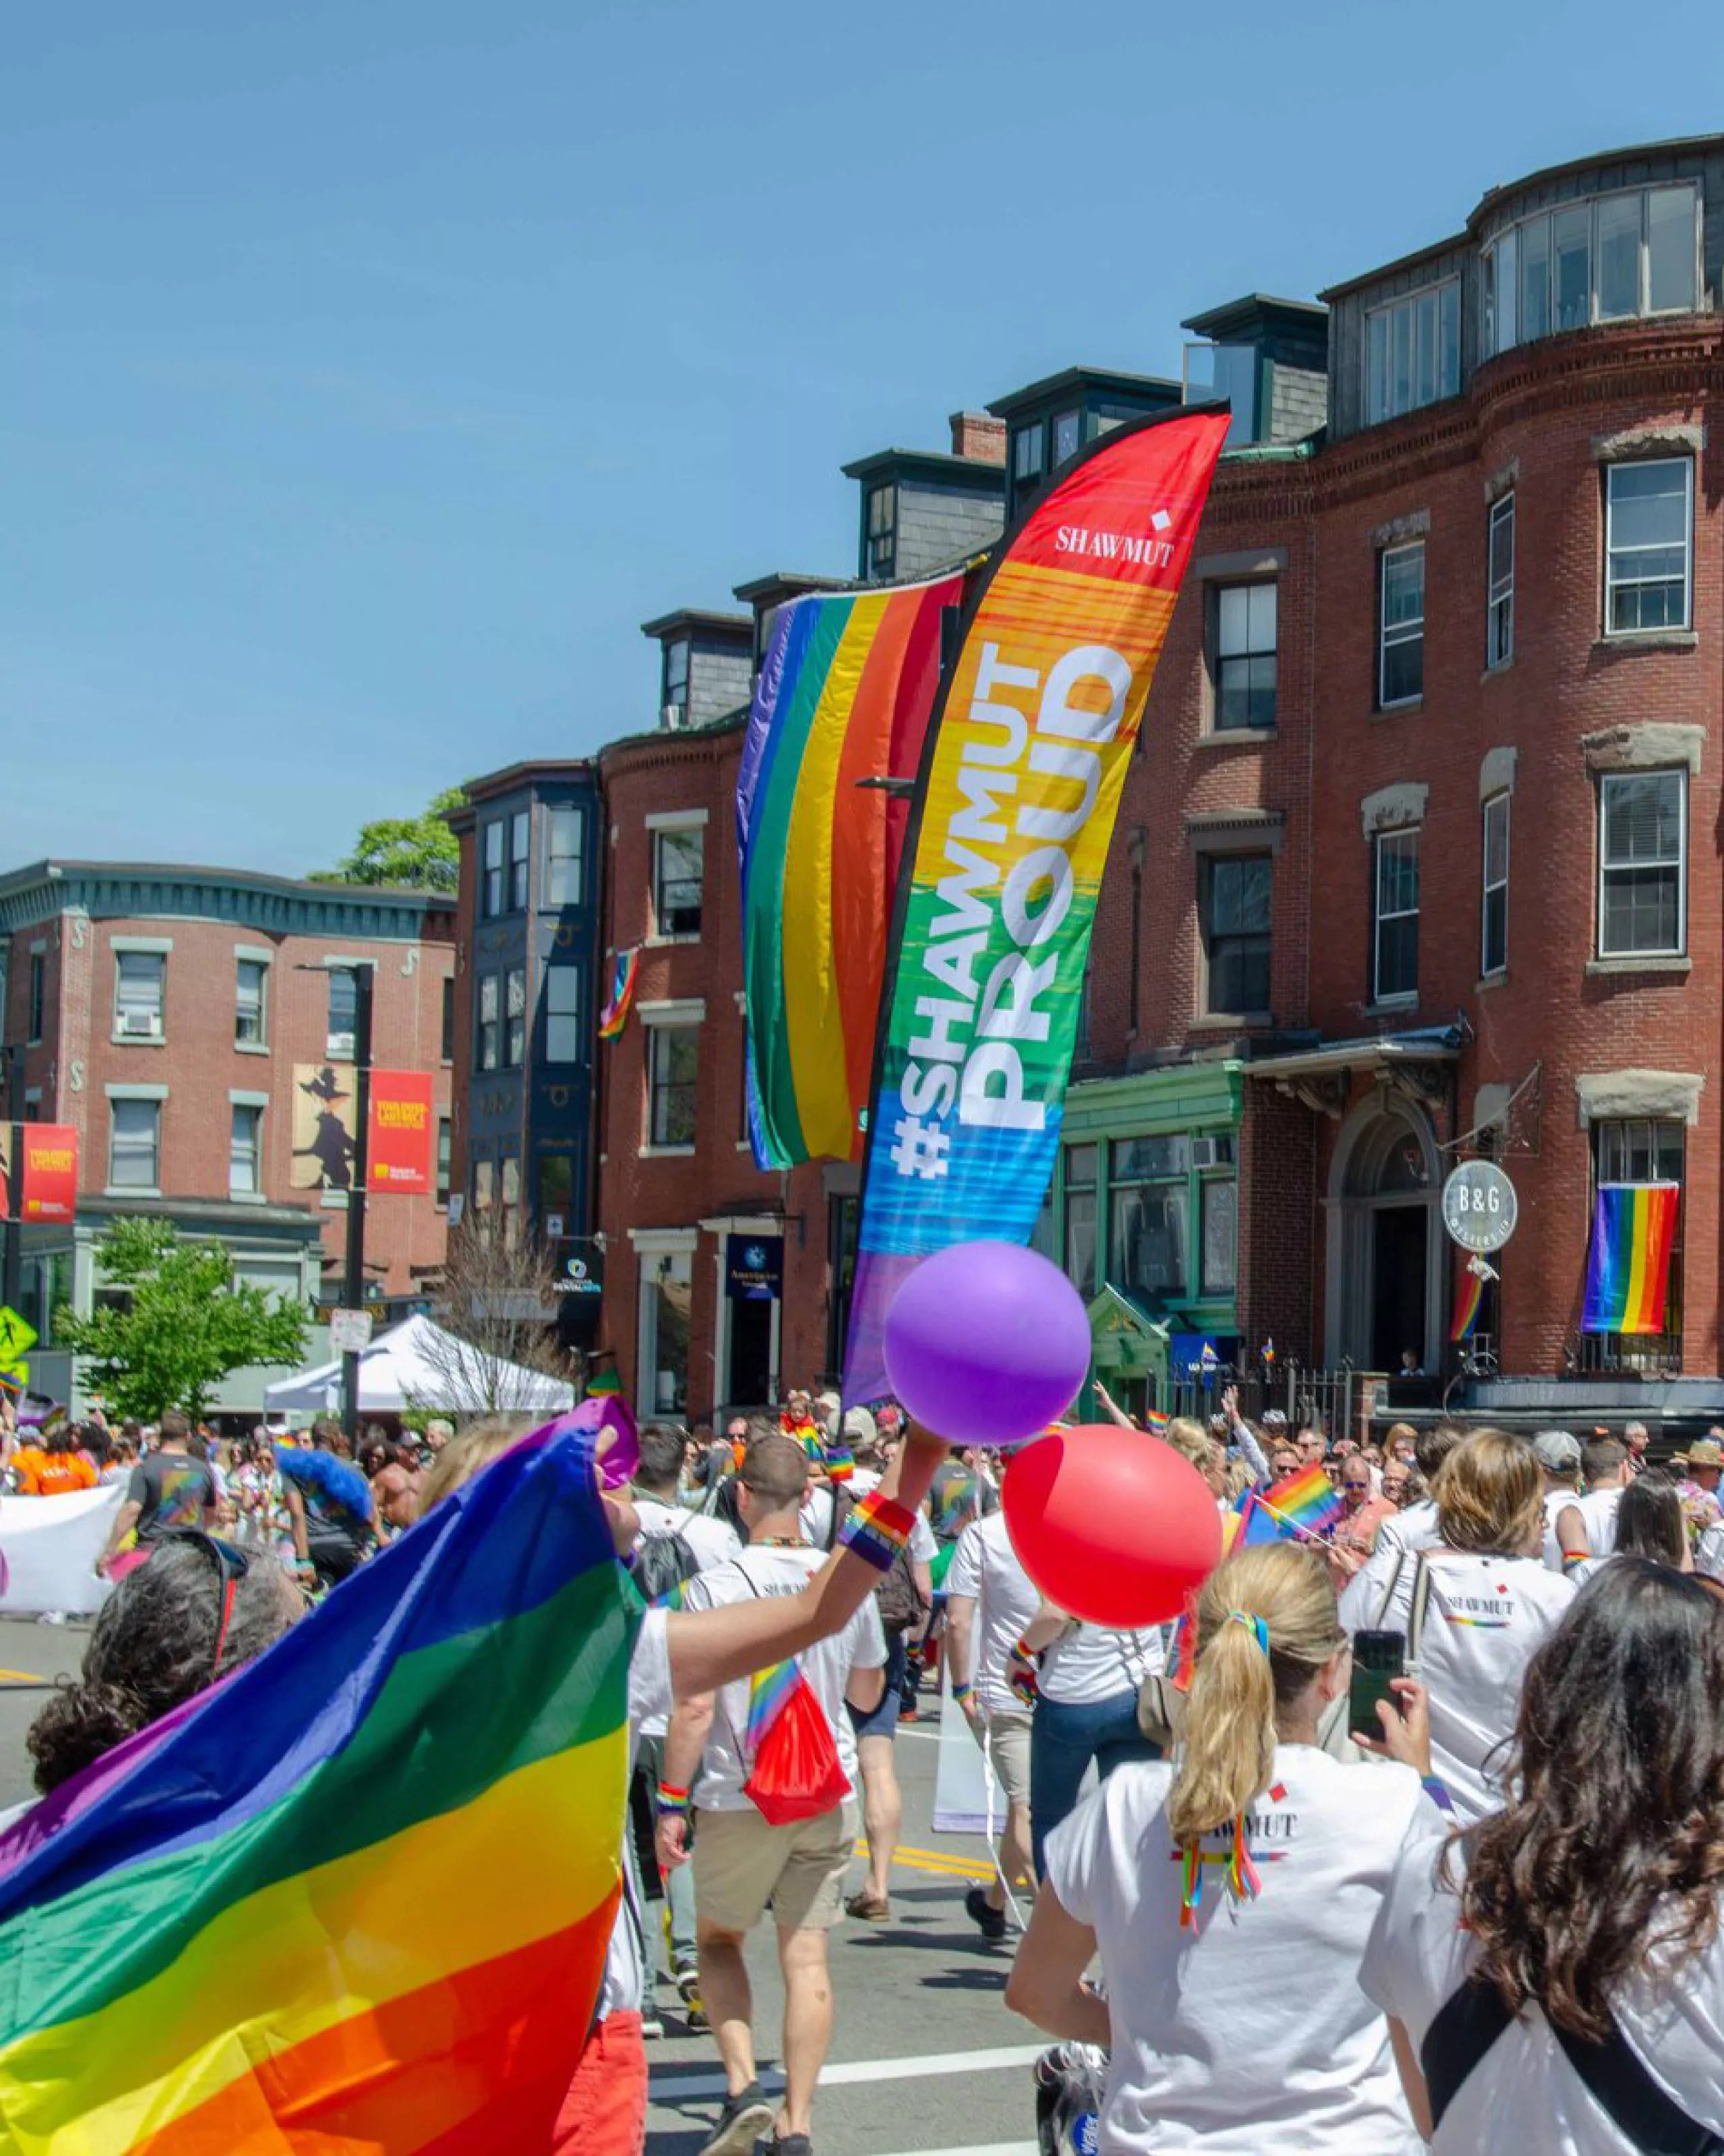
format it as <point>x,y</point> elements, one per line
<point>1416,1062</point>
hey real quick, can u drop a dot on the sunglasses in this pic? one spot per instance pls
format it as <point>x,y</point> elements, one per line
<point>231,1565</point>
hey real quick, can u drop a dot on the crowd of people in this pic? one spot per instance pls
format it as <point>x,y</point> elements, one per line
<point>1485,1919</point>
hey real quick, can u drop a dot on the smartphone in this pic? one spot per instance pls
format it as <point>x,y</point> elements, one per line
<point>1378,1658</point>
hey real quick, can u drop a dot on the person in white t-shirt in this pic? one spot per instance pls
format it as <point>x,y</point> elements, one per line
<point>742,1860</point>
<point>1649,1521</point>
<point>1586,1526</point>
<point>1587,1908</point>
<point>1230,1895</point>
<point>990,1602</point>
<point>1415,1526</point>
<point>1558,1452</point>
<point>709,1541</point>
<point>1475,1610</point>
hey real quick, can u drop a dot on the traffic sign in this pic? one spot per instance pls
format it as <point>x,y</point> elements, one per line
<point>1479,1207</point>
<point>17,1336</point>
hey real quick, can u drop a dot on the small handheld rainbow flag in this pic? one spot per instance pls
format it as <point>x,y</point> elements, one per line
<point>1308,1502</point>
<point>1634,1232</point>
<point>614,1016</point>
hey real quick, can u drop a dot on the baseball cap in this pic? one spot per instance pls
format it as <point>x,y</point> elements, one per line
<point>1556,1450</point>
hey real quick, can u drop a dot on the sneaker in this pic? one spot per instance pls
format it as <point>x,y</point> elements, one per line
<point>687,1982</point>
<point>695,2022</point>
<point>652,2021</point>
<point>784,2144</point>
<point>741,2123</point>
<point>990,1922</point>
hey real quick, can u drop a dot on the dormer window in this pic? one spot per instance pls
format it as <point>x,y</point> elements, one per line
<point>1028,452</point>
<point>675,698</point>
<point>882,532</point>
<point>1610,260</point>
<point>1068,432</point>
<point>1412,351</point>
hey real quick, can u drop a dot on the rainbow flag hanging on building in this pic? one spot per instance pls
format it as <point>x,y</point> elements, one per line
<point>845,691</point>
<point>359,1895</point>
<point>614,1016</point>
<point>1628,1273</point>
<point>1469,1302</point>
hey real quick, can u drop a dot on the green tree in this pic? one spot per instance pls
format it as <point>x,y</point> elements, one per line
<point>412,853</point>
<point>185,1325</point>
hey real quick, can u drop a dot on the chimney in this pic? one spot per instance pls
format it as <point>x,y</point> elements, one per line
<point>979,438</point>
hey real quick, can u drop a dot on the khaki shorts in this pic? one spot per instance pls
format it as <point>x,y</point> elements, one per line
<point>741,1864</point>
<point>1008,1747</point>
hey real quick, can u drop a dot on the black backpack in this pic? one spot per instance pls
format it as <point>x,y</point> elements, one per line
<point>662,1562</point>
<point>901,1606</point>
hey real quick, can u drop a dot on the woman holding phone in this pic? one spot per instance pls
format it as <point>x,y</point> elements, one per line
<point>1554,1977</point>
<point>1473,1610</point>
<point>1230,1894</point>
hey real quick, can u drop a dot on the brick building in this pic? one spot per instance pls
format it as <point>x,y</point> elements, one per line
<point>1418,857</point>
<point>163,1012</point>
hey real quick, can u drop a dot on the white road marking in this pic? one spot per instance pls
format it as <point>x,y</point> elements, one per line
<point>992,2148</point>
<point>670,2087</point>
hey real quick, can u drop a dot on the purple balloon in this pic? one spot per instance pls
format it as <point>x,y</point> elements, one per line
<point>987,1342</point>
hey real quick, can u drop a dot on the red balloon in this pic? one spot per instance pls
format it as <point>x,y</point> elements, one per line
<point>1114,1526</point>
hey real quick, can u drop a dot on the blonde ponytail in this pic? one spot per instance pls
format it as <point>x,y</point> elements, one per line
<point>1266,1624</point>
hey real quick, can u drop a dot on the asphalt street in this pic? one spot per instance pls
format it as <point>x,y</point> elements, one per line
<point>925,2057</point>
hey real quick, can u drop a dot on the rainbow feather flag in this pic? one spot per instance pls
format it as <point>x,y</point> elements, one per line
<point>358,1896</point>
<point>845,692</point>
<point>1628,1276</point>
<point>624,975</point>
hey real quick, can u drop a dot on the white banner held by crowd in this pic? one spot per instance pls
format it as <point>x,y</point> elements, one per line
<point>49,1547</point>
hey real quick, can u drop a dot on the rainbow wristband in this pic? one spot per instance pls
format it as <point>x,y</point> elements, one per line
<point>1571,1558</point>
<point>671,1800</point>
<point>960,1692</point>
<point>1438,1795</point>
<point>877,1530</point>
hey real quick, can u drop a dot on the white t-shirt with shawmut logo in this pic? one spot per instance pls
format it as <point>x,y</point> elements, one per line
<point>1485,1619</point>
<point>827,1666</point>
<point>1247,2032</point>
<point>985,1565</point>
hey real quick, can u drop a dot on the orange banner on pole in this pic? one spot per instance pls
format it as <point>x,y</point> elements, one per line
<point>399,1134</point>
<point>50,1189</point>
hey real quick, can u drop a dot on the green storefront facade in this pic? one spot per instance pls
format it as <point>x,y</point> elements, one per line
<point>1143,1217</point>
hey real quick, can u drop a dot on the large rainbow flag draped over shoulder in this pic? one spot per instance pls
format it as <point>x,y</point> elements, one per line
<point>1025,770</point>
<point>844,694</point>
<point>1628,1276</point>
<point>359,1895</point>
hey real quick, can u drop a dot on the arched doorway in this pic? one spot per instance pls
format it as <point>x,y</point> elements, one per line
<point>1385,1238</point>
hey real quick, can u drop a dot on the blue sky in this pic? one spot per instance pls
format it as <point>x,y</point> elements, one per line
<point>369,372</point>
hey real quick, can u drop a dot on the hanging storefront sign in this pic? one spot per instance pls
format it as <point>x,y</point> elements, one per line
<point>754,1268</point>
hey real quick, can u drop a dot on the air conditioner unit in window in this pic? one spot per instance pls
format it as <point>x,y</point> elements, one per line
<point>671,716</point>
<point>141,1025</point>
<point>339,1048</point>
<point>1203,1152</point>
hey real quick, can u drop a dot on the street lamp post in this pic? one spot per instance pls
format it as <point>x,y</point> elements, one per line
<point>353,1293</point>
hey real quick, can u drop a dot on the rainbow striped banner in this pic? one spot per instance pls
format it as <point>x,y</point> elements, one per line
<point>359,1895</point>
<point>1016,811</point>
<point>1468,1303</point>
<point>614,1016</point>
<point>1628,1273</point>
<point>845,691</point>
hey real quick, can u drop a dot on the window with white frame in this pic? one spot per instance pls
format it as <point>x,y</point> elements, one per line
<point>515,1013</point>
<point>1642,863</point>
<point>1395,925</point>
<point>1499,583</point>
<point>679,874</point>
<point>673,1062</point>
<point>1400,644</point>
<point>1412,351</point>
<point>565,851</point>
<point>140,982</point>
<point>1494,932</point>
<point>882,530</point>
<point>492,892</point>
<point>562,1014</point>
<point>251,986</point>
<point>1245,632</point>
<point>488,1042</point>
<point>521,835</point>
<point>134,1145</point>
<point>343,1014</point>
<point>1607,259</point>
<point>245,1164</point>
<point>1649,526</point>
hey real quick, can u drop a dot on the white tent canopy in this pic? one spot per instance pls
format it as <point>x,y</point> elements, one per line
<point>418,1364</point>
